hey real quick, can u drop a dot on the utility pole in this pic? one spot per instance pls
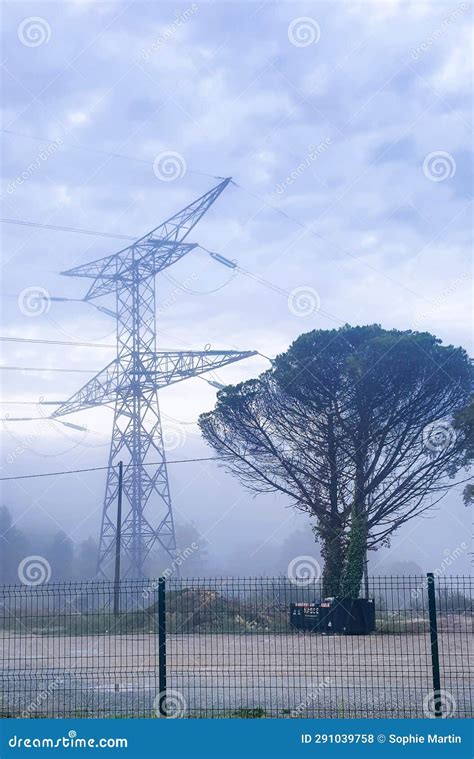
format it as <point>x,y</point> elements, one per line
<point>118,540</point>
<point>131,382</point>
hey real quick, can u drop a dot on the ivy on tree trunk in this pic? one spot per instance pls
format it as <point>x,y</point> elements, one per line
<point>355,559</point>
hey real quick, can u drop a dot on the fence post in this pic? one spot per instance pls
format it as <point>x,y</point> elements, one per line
<point>162,646</point>
<point>118,540</point>
<point>434,645</point>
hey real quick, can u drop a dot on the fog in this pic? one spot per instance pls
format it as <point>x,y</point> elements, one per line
<point>363,224</point>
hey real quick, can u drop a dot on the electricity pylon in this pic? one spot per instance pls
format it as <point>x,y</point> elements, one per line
<point>131,382</point>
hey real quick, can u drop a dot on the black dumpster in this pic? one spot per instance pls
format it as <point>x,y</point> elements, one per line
<point>350,616</point>
<point>346,616</point>
<point>304,616</point>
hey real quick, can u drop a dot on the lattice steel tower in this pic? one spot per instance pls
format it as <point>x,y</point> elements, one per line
<point>131,383</point>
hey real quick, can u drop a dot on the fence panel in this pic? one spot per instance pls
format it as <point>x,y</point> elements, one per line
<point>226,648</point>
<point>455,641</point>
<point>232,652</point>
<point>64,653</point>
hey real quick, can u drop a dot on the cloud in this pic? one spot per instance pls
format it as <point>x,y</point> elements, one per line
<point>361,224</point>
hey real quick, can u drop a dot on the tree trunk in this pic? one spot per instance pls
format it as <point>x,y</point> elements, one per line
<point>332,552</point>
<point>356,553</point>
<point>357,542</point>
<point>332,535</point>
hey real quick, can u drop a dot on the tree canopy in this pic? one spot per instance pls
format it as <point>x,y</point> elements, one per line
<point>355,426</point>
<point>464,424</point>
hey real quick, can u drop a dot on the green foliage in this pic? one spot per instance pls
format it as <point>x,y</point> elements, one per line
<point>340,421</point>
<point>355,559</point>
<point>464,425</point>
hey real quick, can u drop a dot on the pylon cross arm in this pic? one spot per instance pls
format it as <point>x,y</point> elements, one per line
<point>100,389</point>
<point>172,367</point>
<point>154,251</point>
<point>157,370</point>
<point>148,258</point>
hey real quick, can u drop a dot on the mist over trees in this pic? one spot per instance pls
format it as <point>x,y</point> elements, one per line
<point>355,426</point>
<point>78,561</point>
<point>13,547</point>
<point>68,560</point>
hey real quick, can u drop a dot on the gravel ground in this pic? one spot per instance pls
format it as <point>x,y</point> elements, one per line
<point>221,675</point>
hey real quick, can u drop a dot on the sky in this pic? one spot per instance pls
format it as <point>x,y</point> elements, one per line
<point>346,127</point>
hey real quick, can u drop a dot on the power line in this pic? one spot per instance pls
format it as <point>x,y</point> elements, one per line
<point>311,231</point>
<point>214,255</point>
<point>26,223</point>
<point>45,369</point>
<point>103,468</point>
<point>31,403</point>
<point>99,151</point>
<point>77,146</point>
<point>291,218</point>
<point>54,342</point>
<point>265,282</point>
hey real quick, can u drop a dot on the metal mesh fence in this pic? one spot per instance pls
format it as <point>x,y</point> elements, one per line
<point>229,648</point>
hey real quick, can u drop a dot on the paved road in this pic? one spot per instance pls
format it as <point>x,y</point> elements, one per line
<point>214,675</point>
